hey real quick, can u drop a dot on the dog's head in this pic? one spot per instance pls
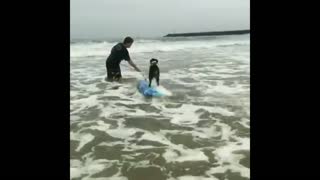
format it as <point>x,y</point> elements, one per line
<point>153,61</point>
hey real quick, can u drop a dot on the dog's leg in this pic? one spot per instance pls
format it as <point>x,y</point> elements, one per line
<point>150,80</point>
<point>158,79</point>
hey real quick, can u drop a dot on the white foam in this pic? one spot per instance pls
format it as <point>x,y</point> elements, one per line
<point>223,89</point>
<point>245,172</point>
<point>101,126</point>
<point>221,111</point>
<point>118,178</point>
<point>244,122</point>
<point>123,133</point>
<point>186,155</point>
<point>74,136</point>
<point>193,178</point>
<point>208,132</point>
<point>75,169</point>
<point>226,131</point>
<point>186,114</point>
<point>84,139</point>
<point>78,50</point>
<point>192,155</point>
<point>95,168</point>
<point>170,155</point>
<point>89,49</point>
<point>73,93</point>
<point>111,143</point>
<point>226,154</point>
<point>74,118</point>
<point>80,104</point>
<point>101,178</point>
<point>159,137</point>
<point>163,90</point>
<point>75,173</point>
<point>89,167</point>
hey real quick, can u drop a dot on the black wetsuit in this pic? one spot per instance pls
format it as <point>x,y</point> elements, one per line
<point>118,53</point>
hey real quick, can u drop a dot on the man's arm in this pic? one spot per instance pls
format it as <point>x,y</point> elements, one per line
<point>127,58</point>
<point>134,66</point>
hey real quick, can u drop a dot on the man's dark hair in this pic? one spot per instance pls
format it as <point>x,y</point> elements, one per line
<point>127,40</point>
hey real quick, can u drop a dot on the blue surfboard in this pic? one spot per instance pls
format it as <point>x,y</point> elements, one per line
<point>144,89</point>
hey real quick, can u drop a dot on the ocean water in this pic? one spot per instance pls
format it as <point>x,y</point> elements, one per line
<point>199,131</point>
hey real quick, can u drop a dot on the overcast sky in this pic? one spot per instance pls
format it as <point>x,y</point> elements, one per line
<point>151,18</point>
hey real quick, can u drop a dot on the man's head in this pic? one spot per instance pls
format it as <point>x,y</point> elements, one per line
<point>127,42</point>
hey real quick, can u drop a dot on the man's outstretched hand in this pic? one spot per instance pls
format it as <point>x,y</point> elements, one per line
<point>134,66</point>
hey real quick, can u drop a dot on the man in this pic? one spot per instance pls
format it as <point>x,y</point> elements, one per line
<point>118,53</point>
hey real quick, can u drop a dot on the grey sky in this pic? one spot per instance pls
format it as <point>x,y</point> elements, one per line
<point>150,18</point>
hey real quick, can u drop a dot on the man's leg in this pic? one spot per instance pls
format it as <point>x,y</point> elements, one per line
<point>113,73</point>
<point>117,76</point>
<point>109,74</point>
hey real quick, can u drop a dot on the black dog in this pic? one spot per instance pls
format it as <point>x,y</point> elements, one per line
<point>154,71</point>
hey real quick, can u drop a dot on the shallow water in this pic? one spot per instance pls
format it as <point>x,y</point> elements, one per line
<point>200,132</point>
